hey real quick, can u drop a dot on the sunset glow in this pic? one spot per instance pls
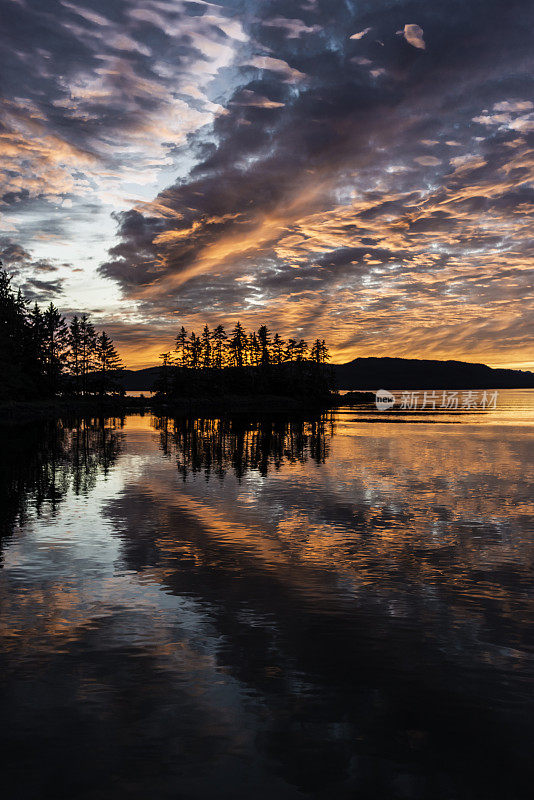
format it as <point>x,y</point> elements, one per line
<point>359,169</point>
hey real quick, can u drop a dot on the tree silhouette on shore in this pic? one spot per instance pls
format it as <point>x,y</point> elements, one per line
<point>41,356</point>
<point>243,364</point>
<point>217,350</point>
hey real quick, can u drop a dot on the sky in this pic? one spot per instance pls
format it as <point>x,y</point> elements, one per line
<point>361,171</point>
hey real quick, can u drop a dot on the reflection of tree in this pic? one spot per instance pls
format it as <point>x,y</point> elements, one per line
<point>40,463</point>
<point>216,446</point>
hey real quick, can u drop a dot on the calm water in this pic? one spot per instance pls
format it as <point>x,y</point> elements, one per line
<point>337,608</point>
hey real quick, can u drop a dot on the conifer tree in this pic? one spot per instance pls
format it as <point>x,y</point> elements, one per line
<point>195,350</point>
<point>317,352</point>
<point>87,351</point>
<point>278,349</point>
<point>219,338</point>
<point>181,347</point>
<point>238,343</point>
<point>108,364</point>
<point>206,346</point>
<point>254,349</point>
<point>301,350</point>
<point>36,345</point>
<point>56,340</point>
<point>164,380</point>
<point>291,349</point>
<point>75,347</point>
<point>12,336</point>
<point>264,339</point>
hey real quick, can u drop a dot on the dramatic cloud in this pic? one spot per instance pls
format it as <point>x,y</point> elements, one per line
<point>29,274</point>
<point>261,160</point>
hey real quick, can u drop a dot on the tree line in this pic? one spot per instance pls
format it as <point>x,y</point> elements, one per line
<point>243,364</point>
<point>42,355</point>
<point>217,349</point>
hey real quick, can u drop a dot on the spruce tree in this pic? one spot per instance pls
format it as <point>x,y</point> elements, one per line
<point>264,339</point>
<point>219,338</point>
<point>181,347</point>
<point>75,350</point>
<point>87,351</point>
<point>238,343</point>
<point>206,346</point>
<point>278,349</point>
<point>56,339</point>
<point>108,365</point>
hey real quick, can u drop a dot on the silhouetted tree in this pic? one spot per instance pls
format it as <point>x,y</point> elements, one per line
<point>301,350</point>
<point>264,339</point>
<point>74,355</point>
<point>238,343</point>
<point>163,383</point>
<point>56,341</point>
<point>291,350</point>
<point>319,351</point>
<point>219,338</point>
<point>87,351</point>
<point>12,334</point>
<point>108,365</point>
<point>36,360</point>
<point>278,349</point>
<point>254,350</point>
<point>206,346</point>
<point>181,347</point>
<point>195,350</point>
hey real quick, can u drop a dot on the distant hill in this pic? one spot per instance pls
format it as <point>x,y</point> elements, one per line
<point>412,373</point>
<point>392,373</point>
<point>140,380</point>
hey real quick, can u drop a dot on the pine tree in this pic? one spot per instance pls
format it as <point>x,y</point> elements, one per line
<point>317,351</point>
<point>108,364</point>
<point>278,349</point>
<point>13,335</point>
<point>74,356</point>
<point>206,346</point>
<point>164,380</point>
<point>56,339</point>
<point>195,350</point>
<point>254,350</point>
<point>36,328</point>
<point>264,339</point>
<point>238,343</point>
<point>87,351</point>
<point>290,351</point>
<point>219,338</point>
<point>301,350</point>
<point>181,347</point>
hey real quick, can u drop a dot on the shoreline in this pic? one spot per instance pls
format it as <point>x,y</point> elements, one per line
<point>228,405</point>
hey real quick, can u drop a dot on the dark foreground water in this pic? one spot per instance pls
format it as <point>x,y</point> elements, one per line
<point>331,609</point>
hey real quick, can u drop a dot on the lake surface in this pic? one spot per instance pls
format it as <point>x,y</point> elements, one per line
<point>331,608</point>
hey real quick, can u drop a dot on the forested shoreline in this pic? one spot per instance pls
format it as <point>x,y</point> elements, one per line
<point>42,356</point>
<point>45,357</point>
<point>242,364</point>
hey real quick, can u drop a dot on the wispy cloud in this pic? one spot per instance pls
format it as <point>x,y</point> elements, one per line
<point>307,168</point>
